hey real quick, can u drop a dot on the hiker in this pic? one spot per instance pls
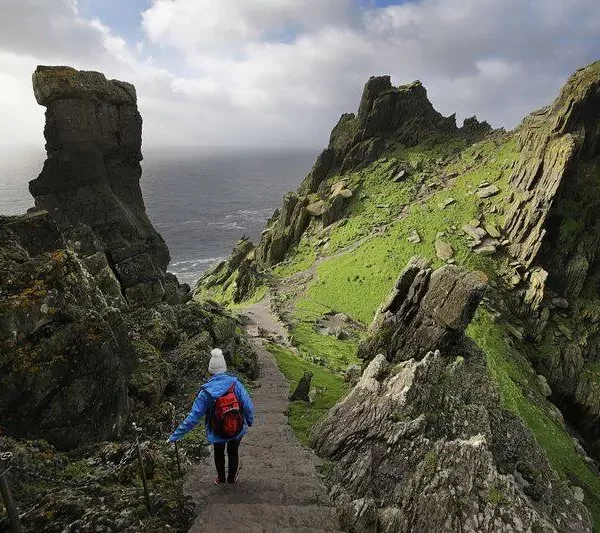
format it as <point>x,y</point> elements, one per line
<point>228,412</point>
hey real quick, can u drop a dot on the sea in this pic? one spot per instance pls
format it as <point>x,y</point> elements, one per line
<point>201,200</point>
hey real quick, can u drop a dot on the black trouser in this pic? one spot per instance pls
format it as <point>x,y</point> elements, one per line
<point>233,460</point>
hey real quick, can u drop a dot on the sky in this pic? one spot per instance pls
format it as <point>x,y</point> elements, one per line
<point>278,73</point>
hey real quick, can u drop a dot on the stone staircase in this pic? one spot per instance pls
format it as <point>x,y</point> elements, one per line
<point>279,490</point>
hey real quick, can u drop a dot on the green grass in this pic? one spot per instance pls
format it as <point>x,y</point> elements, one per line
<point>336,354</point>
<point>330,388</point>
<point>515,378</point>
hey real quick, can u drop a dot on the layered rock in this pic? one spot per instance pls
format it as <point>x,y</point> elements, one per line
<point>386,114</point>
<point>284,230</point>
<point>422,443</point>
<point>91,176</point>
<point>403,113</point>
<point>92,328</point>
<point>555,234</point>
<point>239,270</point>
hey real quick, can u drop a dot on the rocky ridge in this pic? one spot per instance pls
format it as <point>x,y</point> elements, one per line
<point>416,450</point>
<point>398,179</point>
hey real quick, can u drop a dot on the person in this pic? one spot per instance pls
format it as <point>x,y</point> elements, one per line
<point>218,385</point>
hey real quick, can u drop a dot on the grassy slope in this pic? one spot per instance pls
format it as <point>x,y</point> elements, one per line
<point>356,283</point>
<point>520,394</point>
<point>329,386</point>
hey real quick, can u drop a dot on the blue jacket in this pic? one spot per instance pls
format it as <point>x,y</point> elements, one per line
<point>210,391</point>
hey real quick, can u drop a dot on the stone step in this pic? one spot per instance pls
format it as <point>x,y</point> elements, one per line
<point>314,517</point>
<point>273,491</point>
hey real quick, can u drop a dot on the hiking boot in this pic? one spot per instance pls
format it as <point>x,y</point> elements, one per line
<point>234,478</point>
<point>218,480</point>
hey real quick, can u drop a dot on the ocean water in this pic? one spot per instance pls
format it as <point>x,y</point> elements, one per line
<point>200,200</point>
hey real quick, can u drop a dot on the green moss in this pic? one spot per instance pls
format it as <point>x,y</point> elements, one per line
<point>495,496</point>
<point>330,388</point>
<point>335,354</point>
<point>515,379</point>
<point>430,463</point>
<point>356,283</point>
<point>77,470</point>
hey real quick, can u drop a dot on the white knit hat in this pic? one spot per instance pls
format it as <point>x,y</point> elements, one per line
<point>217,364</point>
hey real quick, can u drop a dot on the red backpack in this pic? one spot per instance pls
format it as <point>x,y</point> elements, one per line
<point>226,418</point>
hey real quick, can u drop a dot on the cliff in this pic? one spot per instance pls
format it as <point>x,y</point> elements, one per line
<point>91,176</point>
<point>399,180</point>
<point>422,443</point>
<point>95,335</point>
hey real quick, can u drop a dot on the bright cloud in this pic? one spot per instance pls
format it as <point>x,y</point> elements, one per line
<point>280,72</point>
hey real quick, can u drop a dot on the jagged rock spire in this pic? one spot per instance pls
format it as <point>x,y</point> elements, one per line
<point>91,176</point>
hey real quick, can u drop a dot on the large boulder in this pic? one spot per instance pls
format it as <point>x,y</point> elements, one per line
<point>422,442</point>
<point>433,308</point>
<point>91,176</point>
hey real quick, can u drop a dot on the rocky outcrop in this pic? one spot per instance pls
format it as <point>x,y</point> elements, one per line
<point>91,176</point>
<point>402,114</point>
<point>93,331</point>
<point>556,143</point>
<point>386,114</point>
<point>426,309</point>
<point>65,352</point>
<point>415,449</point>
<point>283,231</point>
<point>554,233</point>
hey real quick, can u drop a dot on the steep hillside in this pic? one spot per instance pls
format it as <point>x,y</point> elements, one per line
<point>399,180</point>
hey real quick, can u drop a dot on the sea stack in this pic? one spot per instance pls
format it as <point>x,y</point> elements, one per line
<point>92,172</point>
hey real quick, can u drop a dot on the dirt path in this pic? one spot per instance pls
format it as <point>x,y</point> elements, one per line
<point>279,490</point>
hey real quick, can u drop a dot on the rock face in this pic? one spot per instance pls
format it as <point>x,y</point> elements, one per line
<point>91,176</point>
<point>432,307</point>
<point>64,351</point>
<point>402,114</point>
<point>554,232</point>
<point>92,328</point>
<point>416,450</point>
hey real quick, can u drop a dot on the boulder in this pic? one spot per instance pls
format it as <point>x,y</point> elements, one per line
<point>414,303</point>
<point>486,192</point>
<point>443,250</point>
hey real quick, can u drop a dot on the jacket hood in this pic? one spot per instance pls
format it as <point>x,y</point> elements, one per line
<point>218,384</point>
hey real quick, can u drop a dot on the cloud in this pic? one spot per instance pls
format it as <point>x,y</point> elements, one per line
<point>280,72</point>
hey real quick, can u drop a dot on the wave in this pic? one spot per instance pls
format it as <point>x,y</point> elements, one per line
<point>226,225</point>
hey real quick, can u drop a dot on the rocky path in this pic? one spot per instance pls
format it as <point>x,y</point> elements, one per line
<point>279,489</point>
